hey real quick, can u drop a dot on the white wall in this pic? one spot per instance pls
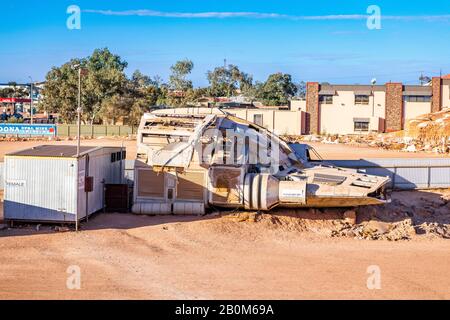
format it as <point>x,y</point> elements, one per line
<point>298,105</point>
<point>337,118</point>
<point>446,95</point>
<point>412,110</point>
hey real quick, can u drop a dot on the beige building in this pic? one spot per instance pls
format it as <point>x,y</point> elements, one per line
<point>346,109</point>
<point>352,109</point>
<point>281,122</point>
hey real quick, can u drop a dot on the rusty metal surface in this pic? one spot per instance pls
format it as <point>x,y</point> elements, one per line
<point>116,197</point>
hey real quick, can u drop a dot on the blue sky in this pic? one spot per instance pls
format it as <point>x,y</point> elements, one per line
<point>312,40</point>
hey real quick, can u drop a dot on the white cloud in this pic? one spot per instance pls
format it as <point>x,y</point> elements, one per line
<point>260,15</point>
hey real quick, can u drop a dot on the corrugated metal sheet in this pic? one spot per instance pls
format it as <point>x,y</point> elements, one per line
<point>40,189</point>
<point>2,178</point>
<point>405,173</point>
<point>52,189</point>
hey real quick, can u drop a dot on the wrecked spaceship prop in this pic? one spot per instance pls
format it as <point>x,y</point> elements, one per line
<point>188,162</point>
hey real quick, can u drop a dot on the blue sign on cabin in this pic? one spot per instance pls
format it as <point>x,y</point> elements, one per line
<point>28,129</point>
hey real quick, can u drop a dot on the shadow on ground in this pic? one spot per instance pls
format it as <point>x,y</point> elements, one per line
<point>410,213</point>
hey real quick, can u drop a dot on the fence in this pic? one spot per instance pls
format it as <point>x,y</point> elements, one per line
<point>67,130</point>
<point>404,173</point>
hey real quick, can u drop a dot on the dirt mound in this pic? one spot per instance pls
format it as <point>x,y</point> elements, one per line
<point>410,214</point>
<point>426,133</point>
<point>431,128</point>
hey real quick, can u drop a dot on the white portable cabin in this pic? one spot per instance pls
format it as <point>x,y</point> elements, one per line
<point>50,183</point>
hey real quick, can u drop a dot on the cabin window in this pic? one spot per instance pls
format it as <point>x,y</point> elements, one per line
<point>362,99</point>
<point>326,99</point>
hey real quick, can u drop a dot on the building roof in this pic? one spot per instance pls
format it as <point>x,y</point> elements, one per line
<point>58,151</point>
<point>330,89</point>
<point>446,77</point>
<point>350,87</point>
<point>415,90</point>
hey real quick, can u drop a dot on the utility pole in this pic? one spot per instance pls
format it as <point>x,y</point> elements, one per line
<point>31,100</point>
<point>78,66</point>
<point>79,112</point>
<point>373,102</point>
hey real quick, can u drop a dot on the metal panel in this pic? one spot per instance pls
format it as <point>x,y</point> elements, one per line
<point>405,173</point>
<point>361,119</point>
<point>129,172</point>
<point>52,189</point>
<point>191,185</point>
<point>150,184</point>
<point>103,172</point>
<point>2,178</point>
<point>327,92</point>
<point>417,93</point>
<point>41,189</point>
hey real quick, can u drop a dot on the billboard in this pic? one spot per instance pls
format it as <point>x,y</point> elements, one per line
<point>28,129</point>
<point>15,100</point>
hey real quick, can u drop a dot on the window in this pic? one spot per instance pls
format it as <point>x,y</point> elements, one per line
<point>258,119</point>
<point>113,157</point>
<point>417,98</point>
<point>361,126</point>
<point>326,99</point>
<point>361,99</point>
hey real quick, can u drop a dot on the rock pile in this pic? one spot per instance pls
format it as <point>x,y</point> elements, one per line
<point>427,133</point>
<point>410,214</point>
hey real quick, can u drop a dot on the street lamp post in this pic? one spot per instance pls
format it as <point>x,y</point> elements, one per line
<point>373,82</point>
<point>79,112</point>
<point>78,66</point>
<point>31,100</point>
<point>74,67</point>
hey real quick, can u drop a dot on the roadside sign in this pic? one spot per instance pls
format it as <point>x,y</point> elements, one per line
<point>28,129</point>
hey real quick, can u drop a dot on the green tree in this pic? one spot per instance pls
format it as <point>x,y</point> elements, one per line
<point>14,91</point>
<point>60,90</point>
<point>301,90</point>
<point>104,79</point>
<point>277,90</point>
<point>142,93</point>
<point>179,71</point>
<point>225,81</point>
<point>140,80</point>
